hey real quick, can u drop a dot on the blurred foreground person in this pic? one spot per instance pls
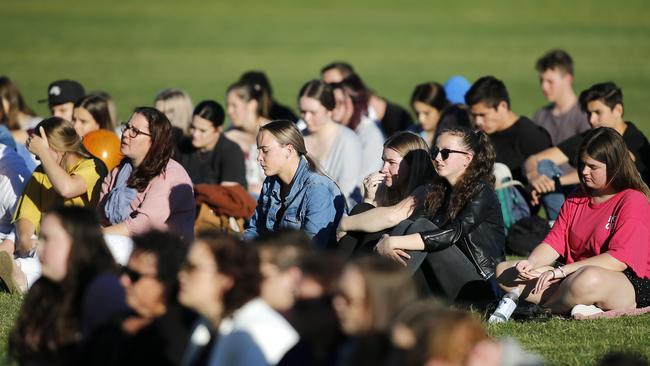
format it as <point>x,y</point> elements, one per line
<point>372,292</point>
<point>221,281</point>
<point>156,329</point>
<point>77,295</point>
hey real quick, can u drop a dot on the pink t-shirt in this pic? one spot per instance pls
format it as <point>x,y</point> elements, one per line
<point>619,226</point>
<point>166,204</point>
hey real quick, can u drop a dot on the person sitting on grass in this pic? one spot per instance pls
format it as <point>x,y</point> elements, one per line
<point>454,252</point>
<point>295,194</point>
<point>77,295</point>
<point>602,234</point>
<point>391,195</point>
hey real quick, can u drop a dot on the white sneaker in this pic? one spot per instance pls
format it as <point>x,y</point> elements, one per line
<point>585,310</point>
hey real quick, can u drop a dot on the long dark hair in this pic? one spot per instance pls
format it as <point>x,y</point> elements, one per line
<point>606,145</point>
<point>479,170</point>
<point>432,94</point>
<point>357,90</point>
<point>9,92</point>
<point>50,317</point>
<point>415,154</point>
<point>161,150</point>
<point>97,106</point>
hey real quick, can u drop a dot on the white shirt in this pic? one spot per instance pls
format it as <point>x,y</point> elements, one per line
<point>269,330</point>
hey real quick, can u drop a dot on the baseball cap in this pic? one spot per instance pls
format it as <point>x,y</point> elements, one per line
<point>63,91</point>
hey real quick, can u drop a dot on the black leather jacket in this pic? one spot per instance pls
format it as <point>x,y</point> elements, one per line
<point>477,231</point>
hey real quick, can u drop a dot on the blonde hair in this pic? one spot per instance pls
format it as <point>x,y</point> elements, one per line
<point>286,133</point>
<point>177,106</point>
<point>62,136</point>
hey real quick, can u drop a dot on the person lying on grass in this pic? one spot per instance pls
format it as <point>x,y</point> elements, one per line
<point>602,234</point>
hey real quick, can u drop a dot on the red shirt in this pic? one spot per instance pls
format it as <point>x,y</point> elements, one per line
<point>619,226</point>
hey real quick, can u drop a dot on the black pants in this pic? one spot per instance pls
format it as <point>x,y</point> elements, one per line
<point>357,243</point>
<point>448,273</point>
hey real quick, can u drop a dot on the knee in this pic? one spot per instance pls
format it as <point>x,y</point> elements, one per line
<point>586,280</point>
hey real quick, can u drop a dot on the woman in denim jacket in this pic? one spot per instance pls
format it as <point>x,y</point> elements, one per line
<point>295,194</point>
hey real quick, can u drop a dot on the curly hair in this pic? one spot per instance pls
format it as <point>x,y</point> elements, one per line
<point>238,260</point>
<point>479,170</point>
<point>161,150</point>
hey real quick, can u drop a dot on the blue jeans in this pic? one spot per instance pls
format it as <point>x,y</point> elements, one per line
<point>552,201</point>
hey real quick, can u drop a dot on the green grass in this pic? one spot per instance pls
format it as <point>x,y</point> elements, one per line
<point>579,342</point>
<point>558,341</point>
<point>134,49</point>
<point>9,306</point>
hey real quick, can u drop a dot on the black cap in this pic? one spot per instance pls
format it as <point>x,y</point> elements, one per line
<point>63,91</point>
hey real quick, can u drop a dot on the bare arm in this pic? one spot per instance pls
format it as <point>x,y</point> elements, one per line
<point>379,218</point>
<point>24,232</point>
<point>66,185</point>
<point>118,229</point>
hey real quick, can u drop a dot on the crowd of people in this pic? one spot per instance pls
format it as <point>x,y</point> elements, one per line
<point>345,234</point>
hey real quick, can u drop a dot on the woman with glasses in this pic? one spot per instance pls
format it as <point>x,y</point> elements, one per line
<point>67,175</point>
<point>455,250</point>
<point>77,295</point>
<point>148,190</point>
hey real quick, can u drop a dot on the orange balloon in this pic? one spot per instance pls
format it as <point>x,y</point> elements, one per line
<point>105,146</point>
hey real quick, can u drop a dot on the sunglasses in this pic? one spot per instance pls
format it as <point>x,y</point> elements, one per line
<point>133,132</point>
<point>445,152</point>
<point>134,276</point>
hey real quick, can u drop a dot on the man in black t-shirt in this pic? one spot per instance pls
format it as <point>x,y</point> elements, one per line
<point>514,138</point>
<point>603,103</point>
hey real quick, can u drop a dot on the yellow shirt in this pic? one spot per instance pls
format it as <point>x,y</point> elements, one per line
<point>39,195</point>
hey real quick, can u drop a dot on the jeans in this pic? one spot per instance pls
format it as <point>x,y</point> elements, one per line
<point>552,201</point>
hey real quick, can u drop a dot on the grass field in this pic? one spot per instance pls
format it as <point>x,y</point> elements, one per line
<point>134,49</point>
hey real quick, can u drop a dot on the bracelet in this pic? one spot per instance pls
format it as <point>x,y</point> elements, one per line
<point>553,272</point>
<point>561,268</point>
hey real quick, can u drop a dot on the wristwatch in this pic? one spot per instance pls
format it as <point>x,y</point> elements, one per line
<point>556,180</point>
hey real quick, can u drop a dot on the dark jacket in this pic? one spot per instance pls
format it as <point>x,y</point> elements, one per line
<point>477,231</point>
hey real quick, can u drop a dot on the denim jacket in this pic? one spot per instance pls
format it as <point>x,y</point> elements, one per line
<point>314,205</point>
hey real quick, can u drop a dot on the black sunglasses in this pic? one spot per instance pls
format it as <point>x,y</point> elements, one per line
<point>134,276</point>
<point>445,152</point>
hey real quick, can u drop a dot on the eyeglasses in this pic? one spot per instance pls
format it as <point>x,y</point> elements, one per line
<point>445,152</point>
<point>133,132</point>
<point>134,276</point>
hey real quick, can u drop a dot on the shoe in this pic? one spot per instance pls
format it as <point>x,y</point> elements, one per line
<point>6,271</point>
<point>585,310</point>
